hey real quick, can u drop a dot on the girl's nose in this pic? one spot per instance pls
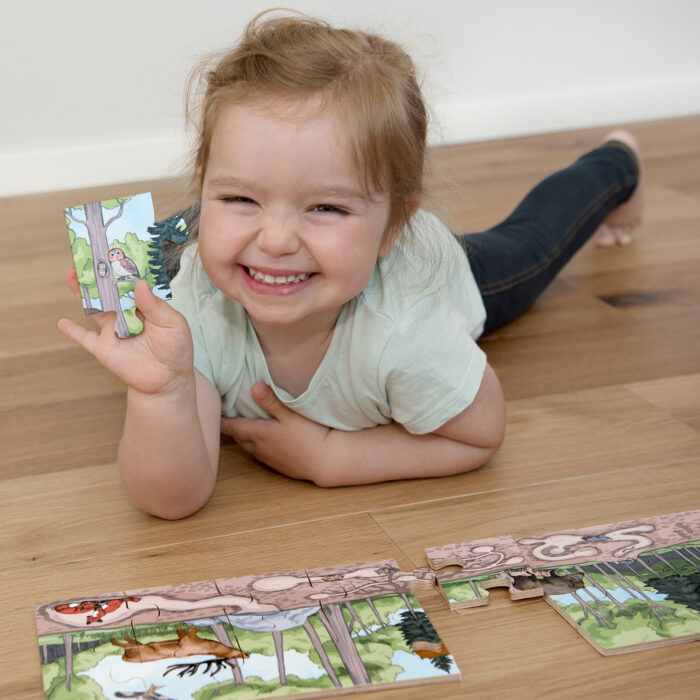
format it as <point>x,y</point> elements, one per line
<point>278,236</point>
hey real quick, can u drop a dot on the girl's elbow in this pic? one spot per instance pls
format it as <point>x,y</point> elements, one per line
<point>170,510</point>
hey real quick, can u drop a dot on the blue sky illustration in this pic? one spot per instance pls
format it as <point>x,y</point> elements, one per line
<point>416,667</point>
<point>136,218</point>
<point>592,594</point>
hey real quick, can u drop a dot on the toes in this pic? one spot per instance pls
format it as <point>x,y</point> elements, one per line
<point>623,235</point>
<point>608,236</point>
<point>605,237</point>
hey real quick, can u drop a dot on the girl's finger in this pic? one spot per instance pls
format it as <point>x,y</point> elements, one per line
<point>153,309</point>
<point>72,281</point>
<point>267,399</point>
<point>238,428</point>
<point>83,337</point>
<point>104,318</point>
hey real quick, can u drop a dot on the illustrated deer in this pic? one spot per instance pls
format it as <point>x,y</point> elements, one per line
<point>187,644</point>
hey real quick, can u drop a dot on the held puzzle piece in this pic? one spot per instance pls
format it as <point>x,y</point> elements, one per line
<point>115,243</point>
<point>624,586</point>
<point>324,631</point>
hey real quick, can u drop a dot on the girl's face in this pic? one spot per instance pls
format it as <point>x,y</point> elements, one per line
<point>286,228</point>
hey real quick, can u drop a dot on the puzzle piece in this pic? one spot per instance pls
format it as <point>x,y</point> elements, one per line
<point>623,586</point>
<point>493,562</point>
<point>116,243</point>
<point>331,630</point>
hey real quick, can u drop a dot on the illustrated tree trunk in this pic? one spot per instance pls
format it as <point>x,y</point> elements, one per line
<point>620,607</point>
<point>600,619</point>
<point>323,616</point>
<point>475,588</point>
<point>335,621</point>
<point>279,651</point>
<point>670,566</point>
<point>643,563</point>
<point>356,617</point>
<point>407,600</point>
<point>87,302</point>
<point>656,609</point>
<point>321,653</point>
<point>693,551</point>
<point>68,647</point>
<point>683,551</point>
<point>373,608</point>
<point>106,284</point>
<point>222,635</point>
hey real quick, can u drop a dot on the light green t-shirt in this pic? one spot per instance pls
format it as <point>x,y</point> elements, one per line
<point>403,350</point>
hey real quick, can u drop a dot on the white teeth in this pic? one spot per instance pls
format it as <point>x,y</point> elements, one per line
<point>278,279</point>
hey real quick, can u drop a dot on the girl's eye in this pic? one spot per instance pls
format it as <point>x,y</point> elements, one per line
<point>329,209</point>
<point>238,200</point>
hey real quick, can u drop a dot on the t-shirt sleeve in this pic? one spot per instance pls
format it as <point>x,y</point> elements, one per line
<point>431,367</point>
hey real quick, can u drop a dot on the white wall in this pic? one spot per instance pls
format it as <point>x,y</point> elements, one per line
<point>93,89</point>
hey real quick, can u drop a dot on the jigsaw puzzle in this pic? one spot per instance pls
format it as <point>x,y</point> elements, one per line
<point>623,586</point>
<point>115,243</point>
<point>323,631</point>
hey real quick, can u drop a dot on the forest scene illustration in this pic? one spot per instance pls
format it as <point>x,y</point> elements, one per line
<point>647,599</point>
<point>354,643</point>
<point>115,243</point>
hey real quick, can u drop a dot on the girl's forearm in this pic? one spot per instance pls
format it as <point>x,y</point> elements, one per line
<point>390,452</point>
<point>164,460</point>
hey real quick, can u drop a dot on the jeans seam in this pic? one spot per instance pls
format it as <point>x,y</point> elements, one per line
<point>529,273</point>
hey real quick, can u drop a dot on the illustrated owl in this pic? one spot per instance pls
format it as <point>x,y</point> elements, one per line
<point>123,268</point>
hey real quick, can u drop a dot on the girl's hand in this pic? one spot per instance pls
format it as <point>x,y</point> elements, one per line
<point>288,442</point>
<point>153,362</point>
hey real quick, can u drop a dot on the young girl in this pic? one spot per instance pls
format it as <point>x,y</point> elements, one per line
<point>327,318</point>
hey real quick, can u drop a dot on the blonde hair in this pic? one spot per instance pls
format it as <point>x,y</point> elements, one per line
<point>368,81</point>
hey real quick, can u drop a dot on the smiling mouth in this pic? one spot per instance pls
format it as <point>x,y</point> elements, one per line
<point>276,280</point>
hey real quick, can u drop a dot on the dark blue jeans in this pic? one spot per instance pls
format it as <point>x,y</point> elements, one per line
<point>515,261</point>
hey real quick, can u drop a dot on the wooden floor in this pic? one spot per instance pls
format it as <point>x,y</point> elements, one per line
<point>602,378</point>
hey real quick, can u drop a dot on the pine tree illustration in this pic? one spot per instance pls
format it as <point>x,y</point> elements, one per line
<point>680,589</point>
<point>165,234</point>
<point>416,627</point>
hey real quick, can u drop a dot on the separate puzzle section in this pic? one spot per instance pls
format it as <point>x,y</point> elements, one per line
<point>115,243</point>
<point>623,586</point>
<point>306,633</point>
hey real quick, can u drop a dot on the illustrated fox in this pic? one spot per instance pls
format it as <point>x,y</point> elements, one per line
<point>187,644</point>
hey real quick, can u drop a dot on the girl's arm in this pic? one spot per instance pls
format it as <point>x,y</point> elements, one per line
<point>169,451</point>
<point>303,449</point>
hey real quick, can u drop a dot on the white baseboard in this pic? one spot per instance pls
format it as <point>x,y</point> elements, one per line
<point>27,172</point>
<point>88,165</point>
<point>521,115</point>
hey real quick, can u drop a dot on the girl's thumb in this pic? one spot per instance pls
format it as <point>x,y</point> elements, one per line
<point>265,398</point>
<point>153,308</point>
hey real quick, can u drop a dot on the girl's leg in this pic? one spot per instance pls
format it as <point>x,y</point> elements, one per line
<point>515,261</point>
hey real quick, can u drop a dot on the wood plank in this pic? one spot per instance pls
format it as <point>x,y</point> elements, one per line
<point>619,352</point>
<point>676,395</point>
<point>544,435</point>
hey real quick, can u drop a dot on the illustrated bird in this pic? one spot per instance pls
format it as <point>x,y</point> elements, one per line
<point>123,268</point>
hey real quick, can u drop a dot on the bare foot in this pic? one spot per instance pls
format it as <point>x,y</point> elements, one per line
<point>618,226</point>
